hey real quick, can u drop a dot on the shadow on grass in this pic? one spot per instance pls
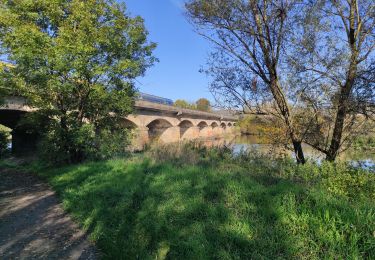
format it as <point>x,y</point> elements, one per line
<point>212,206</point>
<point>142,210</point>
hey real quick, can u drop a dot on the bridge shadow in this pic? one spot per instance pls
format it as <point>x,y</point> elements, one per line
<point>24,138</point>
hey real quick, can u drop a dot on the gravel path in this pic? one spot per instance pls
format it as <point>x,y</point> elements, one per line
<point>33,224</point>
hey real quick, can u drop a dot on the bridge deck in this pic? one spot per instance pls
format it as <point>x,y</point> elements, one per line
<point>146,105</point>
<point>18,103</point>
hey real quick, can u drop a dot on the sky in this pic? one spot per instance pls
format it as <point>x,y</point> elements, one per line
<point>181,51</point>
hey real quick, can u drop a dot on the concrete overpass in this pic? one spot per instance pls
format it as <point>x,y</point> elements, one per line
<point>150,121</point>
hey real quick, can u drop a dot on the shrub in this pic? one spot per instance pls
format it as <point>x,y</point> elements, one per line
<point>4,142</point>
<point>82,143</point>
<point>364,143</point>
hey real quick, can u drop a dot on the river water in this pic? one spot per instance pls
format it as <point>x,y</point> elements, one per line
<point>254,143</point>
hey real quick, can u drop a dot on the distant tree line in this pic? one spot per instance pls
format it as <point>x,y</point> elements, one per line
<point>201,104</point>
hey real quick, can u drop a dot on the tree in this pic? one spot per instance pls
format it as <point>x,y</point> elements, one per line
<point>249,37</point>
<point>4,140</point>
<point>334,64</point>
<point>203,104</point>
<point>183,104</point>
<point>75,61</point>
<point>4,67</point>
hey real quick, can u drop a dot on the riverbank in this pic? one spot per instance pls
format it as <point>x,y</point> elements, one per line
<point>199,203</point>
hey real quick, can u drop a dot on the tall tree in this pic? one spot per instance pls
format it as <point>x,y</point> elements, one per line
<point>249,37</point>
<point>203,104</point>
<point>334,58</point>
<point>4,67</point>
<point>75,61</point>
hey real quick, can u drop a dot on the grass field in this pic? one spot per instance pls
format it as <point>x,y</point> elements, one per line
<point>185,203</point>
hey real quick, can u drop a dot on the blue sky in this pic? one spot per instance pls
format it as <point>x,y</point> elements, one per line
<point>181,52</point>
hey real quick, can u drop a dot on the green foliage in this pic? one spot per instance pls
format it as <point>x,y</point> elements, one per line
<point>268,130</point>
<point>252,125</point>
<point>4,141</point>
<point>191,202</point>
<point>3,87</point>
<point>83,143</point>
<point>364,143</point>
<point>203,105</point>
<point>76,62</point>
<point>184,104</point>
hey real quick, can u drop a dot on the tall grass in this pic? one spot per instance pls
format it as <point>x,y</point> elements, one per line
<point>190,202</point>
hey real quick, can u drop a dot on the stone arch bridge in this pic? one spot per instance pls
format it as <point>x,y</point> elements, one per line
<point>150,121</point>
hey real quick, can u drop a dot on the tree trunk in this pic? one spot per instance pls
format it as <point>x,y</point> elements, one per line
<point>285,112</point>
<point>300,157</point>
<point>340,120</point>
<point>337,134</point>
<point>346,88</point>
<point>342,111</point>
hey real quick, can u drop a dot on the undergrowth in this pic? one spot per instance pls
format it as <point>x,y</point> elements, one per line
<point>191,202</point>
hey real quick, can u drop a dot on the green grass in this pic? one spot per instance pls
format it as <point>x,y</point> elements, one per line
<point>189,203</point>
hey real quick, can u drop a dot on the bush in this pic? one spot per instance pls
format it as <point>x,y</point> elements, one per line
<point>188,153</point>
<point>364,143</point>
<point>4,142</point>
<point>82,143</point>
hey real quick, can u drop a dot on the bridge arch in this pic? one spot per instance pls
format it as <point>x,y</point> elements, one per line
<point>187,130</point>
<point>146,119</point>
<point>204,129</point>
<point>202,125</point>
<point>129,124</point>
<point>10,118</point>
<point>216,129</point>
<point>229,124</point>
<point>23,139</point>
<point>161,130</point>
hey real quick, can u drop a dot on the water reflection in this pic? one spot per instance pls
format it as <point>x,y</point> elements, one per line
<point>361,159</point>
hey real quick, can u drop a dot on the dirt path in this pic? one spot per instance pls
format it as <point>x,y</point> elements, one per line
<point>33,224</point>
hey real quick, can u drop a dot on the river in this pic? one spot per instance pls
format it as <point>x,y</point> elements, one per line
<point>254,143</point>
